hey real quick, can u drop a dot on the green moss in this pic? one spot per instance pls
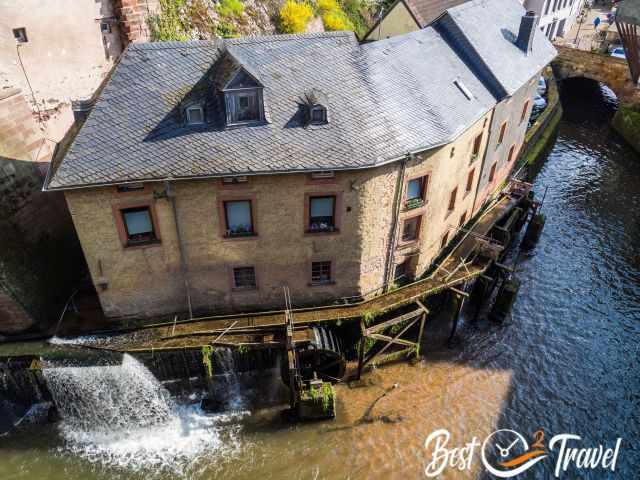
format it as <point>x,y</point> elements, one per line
<point>627,123</point>
<point>207,351</point>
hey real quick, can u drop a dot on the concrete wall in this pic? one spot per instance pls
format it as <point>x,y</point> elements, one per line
<point>147,280</point>
<point>39,253</point>
<point>509,110</point>
<point>396,22</point>
<point>66,55</point>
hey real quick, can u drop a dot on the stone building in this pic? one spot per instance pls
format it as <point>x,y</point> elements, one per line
<point>59,51</point>
<point>211,174</point>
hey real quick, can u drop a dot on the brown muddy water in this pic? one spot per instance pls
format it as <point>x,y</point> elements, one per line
<point>566,362</point>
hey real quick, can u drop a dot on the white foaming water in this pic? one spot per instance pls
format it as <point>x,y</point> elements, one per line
<point>121,416</point>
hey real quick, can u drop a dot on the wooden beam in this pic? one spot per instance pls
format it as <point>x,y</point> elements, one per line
<point>389,344</point>
<point>420,332</point>
<point>393,321</point>
<point>424,309</point>
<point>399,341</point>
<point>459,292</point>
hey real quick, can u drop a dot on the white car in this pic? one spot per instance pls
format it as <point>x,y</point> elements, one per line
<point>542,86</point>
<point>618,53</point>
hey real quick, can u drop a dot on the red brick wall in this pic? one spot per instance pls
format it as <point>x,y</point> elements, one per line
<point>133,18</point>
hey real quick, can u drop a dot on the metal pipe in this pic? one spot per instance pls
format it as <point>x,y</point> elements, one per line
<point>183,261</point>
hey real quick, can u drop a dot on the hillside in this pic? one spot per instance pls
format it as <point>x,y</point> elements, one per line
<point>205,19</point>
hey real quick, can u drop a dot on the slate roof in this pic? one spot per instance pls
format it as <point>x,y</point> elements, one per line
<point>491,27</point>
<point>385,99</point>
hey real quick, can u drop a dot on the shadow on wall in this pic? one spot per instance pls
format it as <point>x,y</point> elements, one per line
<point>40,256</point>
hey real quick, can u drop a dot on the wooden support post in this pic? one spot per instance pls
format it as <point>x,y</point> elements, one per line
<point>459,292</point>
<point>420,332</point>
<point>456,318</point>
<point>363,341</point>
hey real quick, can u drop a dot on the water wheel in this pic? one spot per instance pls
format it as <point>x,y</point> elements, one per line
<point>323,355</point>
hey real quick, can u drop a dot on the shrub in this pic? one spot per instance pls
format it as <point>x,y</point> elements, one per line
<point>294,16</point>
<point>325,6</point>
<point>230,8</point>
<point>334,21</point>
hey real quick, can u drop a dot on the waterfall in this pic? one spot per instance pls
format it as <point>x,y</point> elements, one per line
<point>122,416</point>
<point>109,397</point>
<point>230,385</point>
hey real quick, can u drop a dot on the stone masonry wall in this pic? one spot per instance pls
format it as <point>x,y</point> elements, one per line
<point>146,281</point>
<point>38,247</point>
<point>133,15</point>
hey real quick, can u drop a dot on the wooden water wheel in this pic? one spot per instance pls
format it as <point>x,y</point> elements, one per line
<point>322,356</point>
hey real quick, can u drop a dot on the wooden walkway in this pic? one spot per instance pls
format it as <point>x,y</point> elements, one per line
<point>261,329</point>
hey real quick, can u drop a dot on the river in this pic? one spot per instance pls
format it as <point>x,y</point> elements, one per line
<point>566,362</point>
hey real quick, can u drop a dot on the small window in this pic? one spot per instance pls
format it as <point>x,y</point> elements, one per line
<point>452,152</point>
<point>318,114</point>
<point>503,130</point>
<point>445,240</point>
<point>238,217</point>
<point>234,180</point>
<point>411,229</point>
<point>20,34</point>
<point>452,199</point>
<point>492,173</point>
<point>322,214</point>
<point>525,109</point>
<point>463,219</point>
<point>321,273</point>
<point>130,187</point>
<point>401,271</point>
<point>138,225</point>
<point>105,27</point>
<point>195,115</point>
<point>477,143</point>
<point>470,180</point>
<point>512,152</point>
<point>244,277</point>
<point>416,192</point>
<point>244,106</point>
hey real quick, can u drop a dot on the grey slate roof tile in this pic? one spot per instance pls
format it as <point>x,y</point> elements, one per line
<point>385,99</point>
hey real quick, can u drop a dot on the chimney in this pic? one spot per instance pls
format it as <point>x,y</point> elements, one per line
<point>81,109</point>
<point>528,25</point>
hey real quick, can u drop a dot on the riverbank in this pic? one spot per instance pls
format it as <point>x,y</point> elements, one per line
<point>627,123</point>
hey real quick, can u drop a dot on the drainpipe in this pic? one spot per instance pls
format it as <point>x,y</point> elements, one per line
<point>484,160</point>
<point>393,233</point>
<point>183,261</point>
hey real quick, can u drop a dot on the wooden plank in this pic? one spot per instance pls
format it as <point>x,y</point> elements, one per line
<point>424,309</point>
<point>393,321</point>
<point>459,292</point>
<point>393,356</point>
<point>399,341</point>
<point>420,332</point>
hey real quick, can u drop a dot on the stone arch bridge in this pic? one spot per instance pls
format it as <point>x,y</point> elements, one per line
<point>614,72</point>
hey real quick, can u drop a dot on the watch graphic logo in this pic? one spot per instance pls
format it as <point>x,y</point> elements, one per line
<point>516,457</point>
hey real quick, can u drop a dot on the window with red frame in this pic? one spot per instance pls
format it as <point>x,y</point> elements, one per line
<point>411,229</point>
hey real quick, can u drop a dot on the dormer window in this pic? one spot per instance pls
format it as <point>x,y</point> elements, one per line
<point>195,115</point>
<point>318,115</point>
<point>243,106</point>
<point>243,99</point>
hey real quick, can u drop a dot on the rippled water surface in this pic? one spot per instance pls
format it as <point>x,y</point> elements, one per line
<point>566,362</point>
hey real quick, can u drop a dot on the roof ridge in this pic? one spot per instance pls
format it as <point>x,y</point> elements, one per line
<point>286,37</point>
<point>174,44</point>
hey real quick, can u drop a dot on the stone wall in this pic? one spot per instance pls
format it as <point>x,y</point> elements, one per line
<point>133,15</point>
<point>39,253</point>
<point>613,72</point>
<point>509,110</point>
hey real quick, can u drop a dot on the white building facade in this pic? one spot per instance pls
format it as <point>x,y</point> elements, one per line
<point>556,16</point>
